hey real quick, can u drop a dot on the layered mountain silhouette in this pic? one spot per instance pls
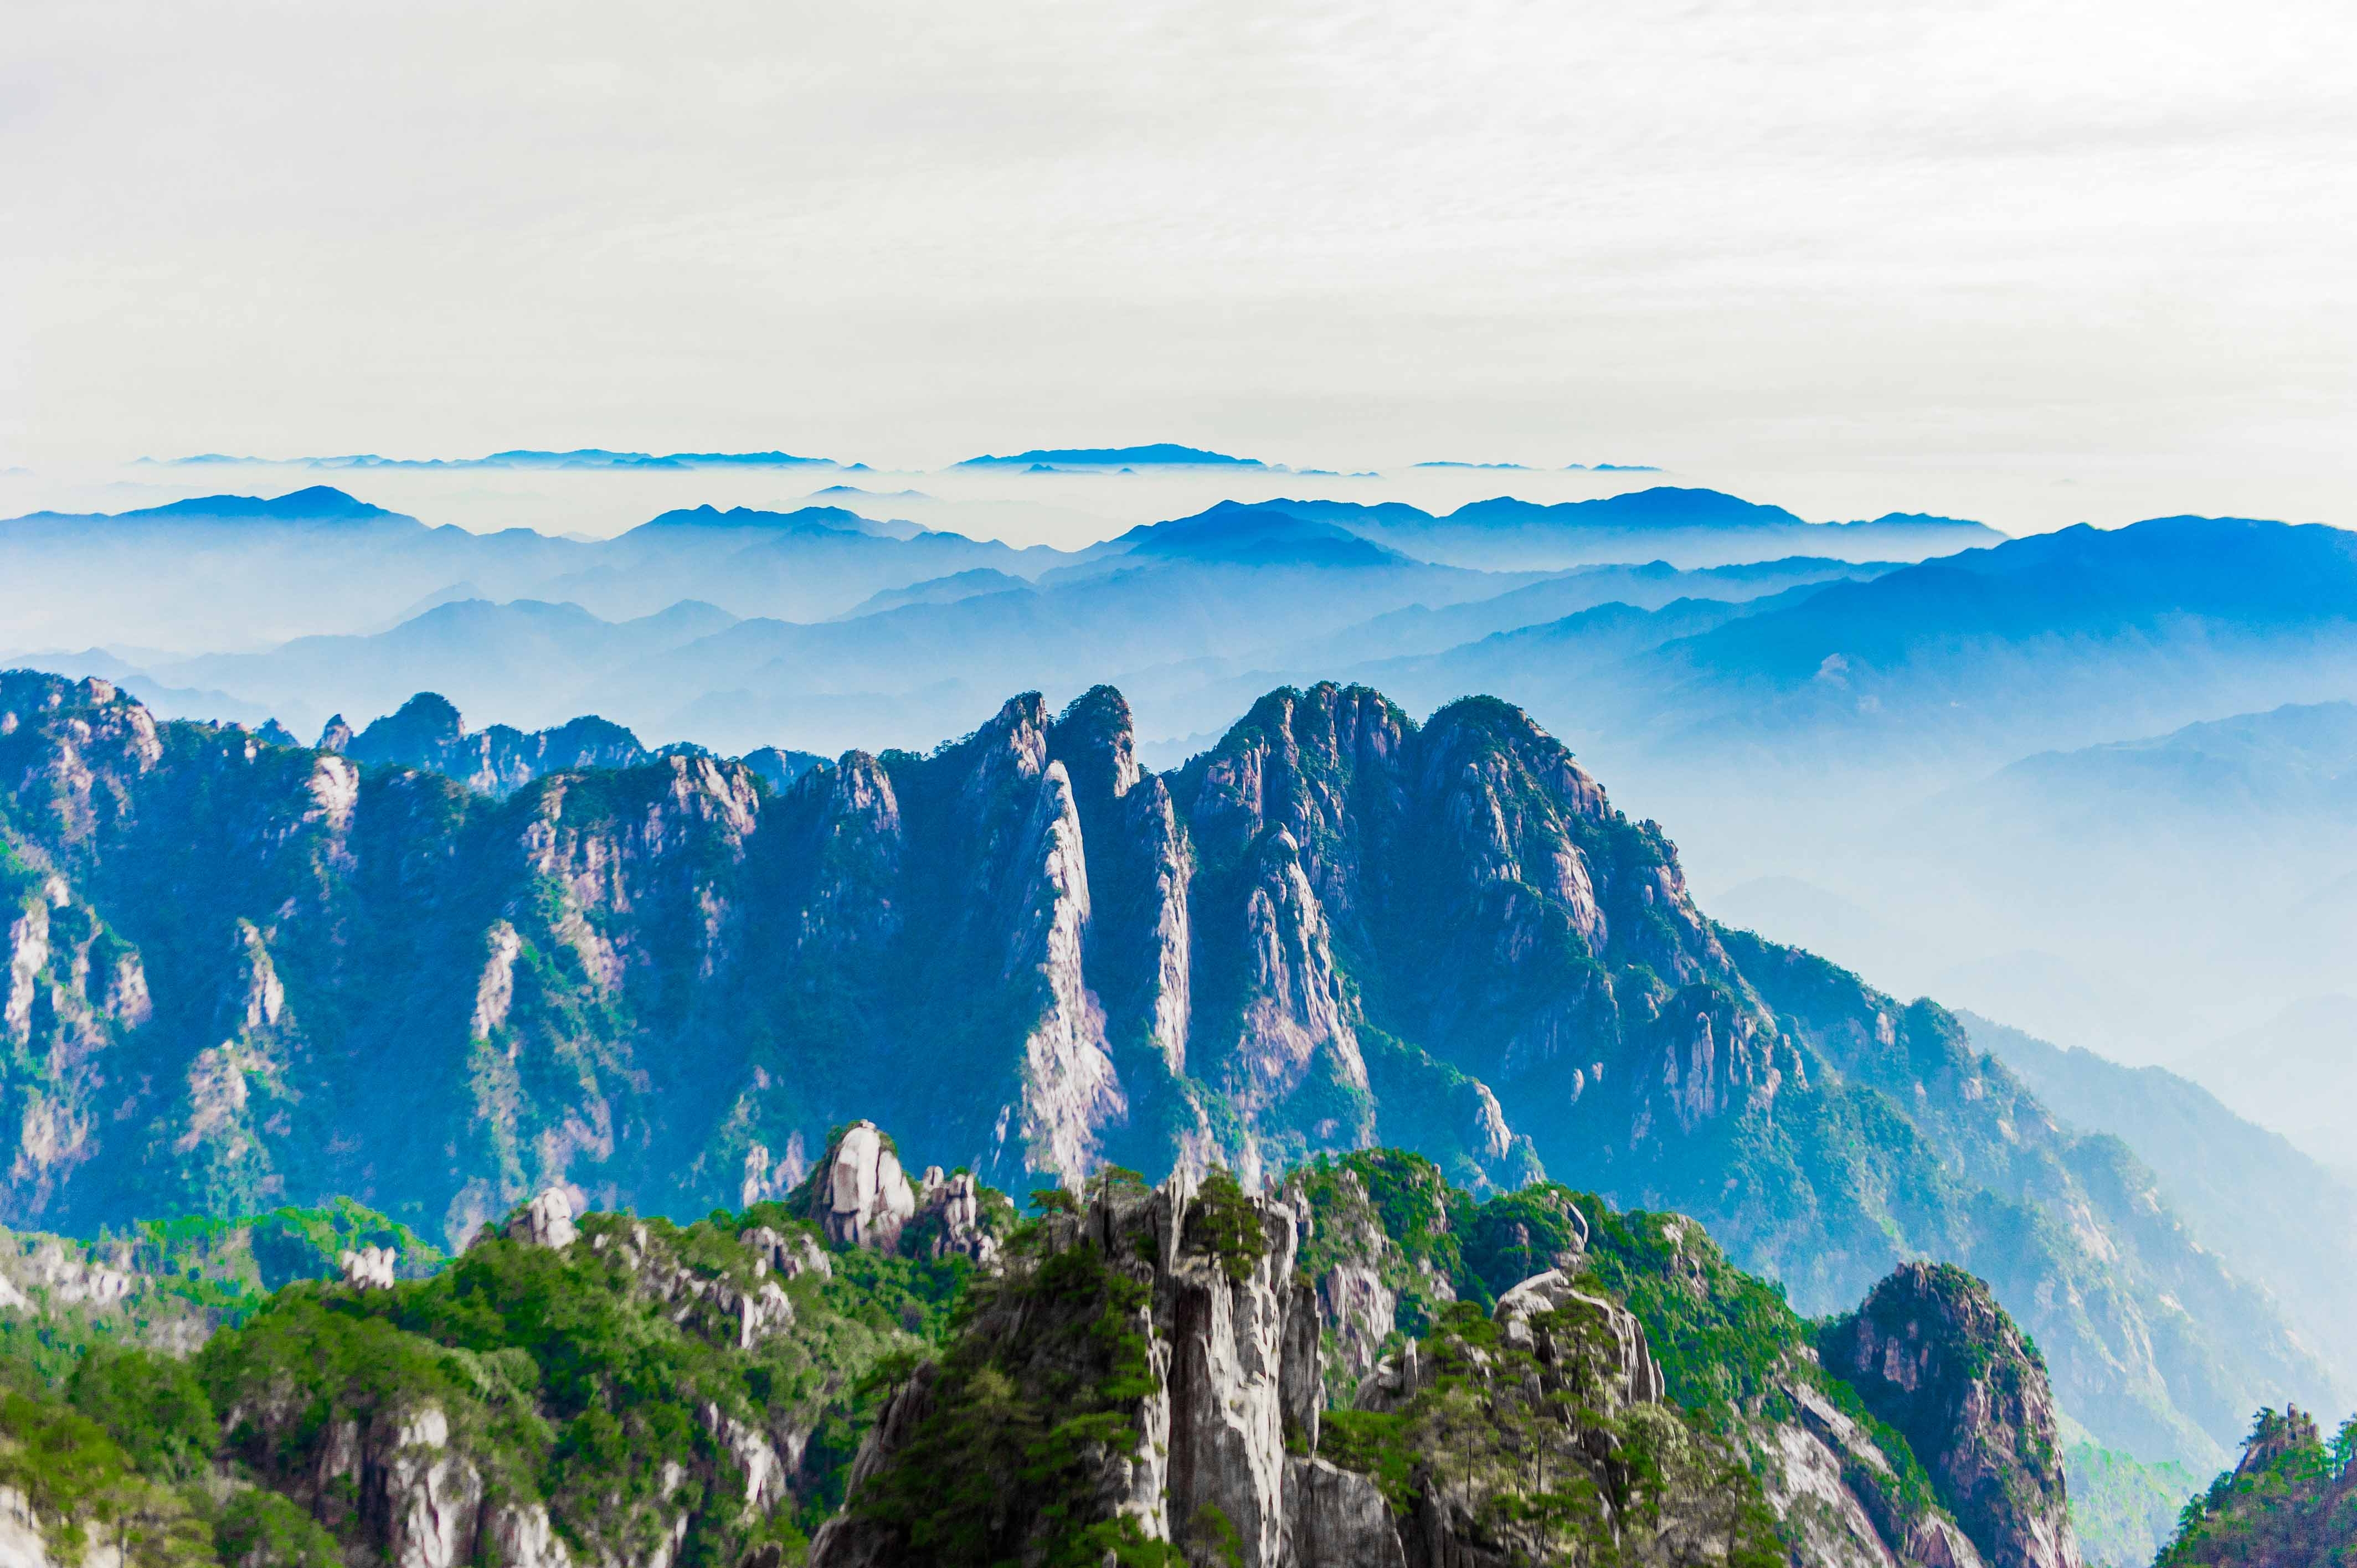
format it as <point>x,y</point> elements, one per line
<point>223,572</point>
<point>1684,527</point>
<point>243,974</point>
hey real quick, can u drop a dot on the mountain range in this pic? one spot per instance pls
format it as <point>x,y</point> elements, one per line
<point>244,973</point>
<point>333,562</point>
<point>1883,713</point>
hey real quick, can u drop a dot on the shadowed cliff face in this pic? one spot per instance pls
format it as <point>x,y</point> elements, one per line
<point>238,974</point>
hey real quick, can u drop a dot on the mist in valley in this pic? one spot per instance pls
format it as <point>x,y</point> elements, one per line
<point>1976,784</point>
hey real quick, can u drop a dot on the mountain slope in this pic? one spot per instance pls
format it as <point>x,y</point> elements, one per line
<point>2296,1072</point>
<point>2272,1213</point>
<point>244,970</point>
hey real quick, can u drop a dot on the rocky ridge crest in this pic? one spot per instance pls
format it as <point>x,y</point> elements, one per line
<point>661,985</point>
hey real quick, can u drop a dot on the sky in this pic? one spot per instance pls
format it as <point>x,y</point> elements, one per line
<point>2030,262</point>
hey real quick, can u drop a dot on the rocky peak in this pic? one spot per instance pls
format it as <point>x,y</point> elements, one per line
<point>998,759</point>
<point>1932,1354</point>
<point>1325,766</point>
<point>2290,1502</point>
<point>949,1216</point>
<point>858,1194</point>
<point>1093,737</point>
<point>428,733</point>
<point>2273,1436</point>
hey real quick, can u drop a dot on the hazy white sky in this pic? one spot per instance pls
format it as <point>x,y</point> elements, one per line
<point>2026,261</point>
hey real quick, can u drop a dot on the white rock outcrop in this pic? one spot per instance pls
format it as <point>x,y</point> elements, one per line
<point>547,1222</point>
<point>369,1268</point>
<point>866,1195</point>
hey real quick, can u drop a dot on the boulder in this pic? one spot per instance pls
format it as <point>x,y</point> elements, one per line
<point>371,1268</point>
<point>1632,1376</point>
<point>863,1197</point>
<point>545,1221</point>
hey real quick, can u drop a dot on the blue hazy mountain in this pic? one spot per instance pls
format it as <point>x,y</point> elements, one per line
<point>1157,455</point>
<point>1233,533</point>
<point>524,660</point>
<point>2052,639</point>
<point>957,586</point>
<point>1421,629</point>
<point>238,572</point>
<point>2299,759</point>
<point>2296,1071</point>
<point>809,521</point>
<point>317,504</point>
<point>1193,600</point>
<point>579,457</point>
<point>1687,528</point>
<point>2271,1211</point>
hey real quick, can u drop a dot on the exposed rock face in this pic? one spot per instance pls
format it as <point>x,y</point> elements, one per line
<point>1070,1087</point>
<point>546,1220</point>
<point>368,1268</point>
<point>1337,1519</point>
<point>1838,1493</point>
<point>1932,1354</point>
<point>862,1196</point>
<point>276,975</point>
<point>949,1210</point>
<point>1217,1447</point>
<point>789,1256</point>
<point>1367,1287</point>
<point>1224,1333</point>
<point>430,1498</point>
<point>1631,1374</point>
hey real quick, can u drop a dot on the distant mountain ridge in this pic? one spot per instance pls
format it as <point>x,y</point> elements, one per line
<point>1684,527</point>
<point>579,457</point>
<point>428,733</point>
<point>315,503</point>
<point>1158,453</point>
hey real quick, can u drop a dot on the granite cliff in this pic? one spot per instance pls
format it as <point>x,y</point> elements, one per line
<point>242,974</point>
